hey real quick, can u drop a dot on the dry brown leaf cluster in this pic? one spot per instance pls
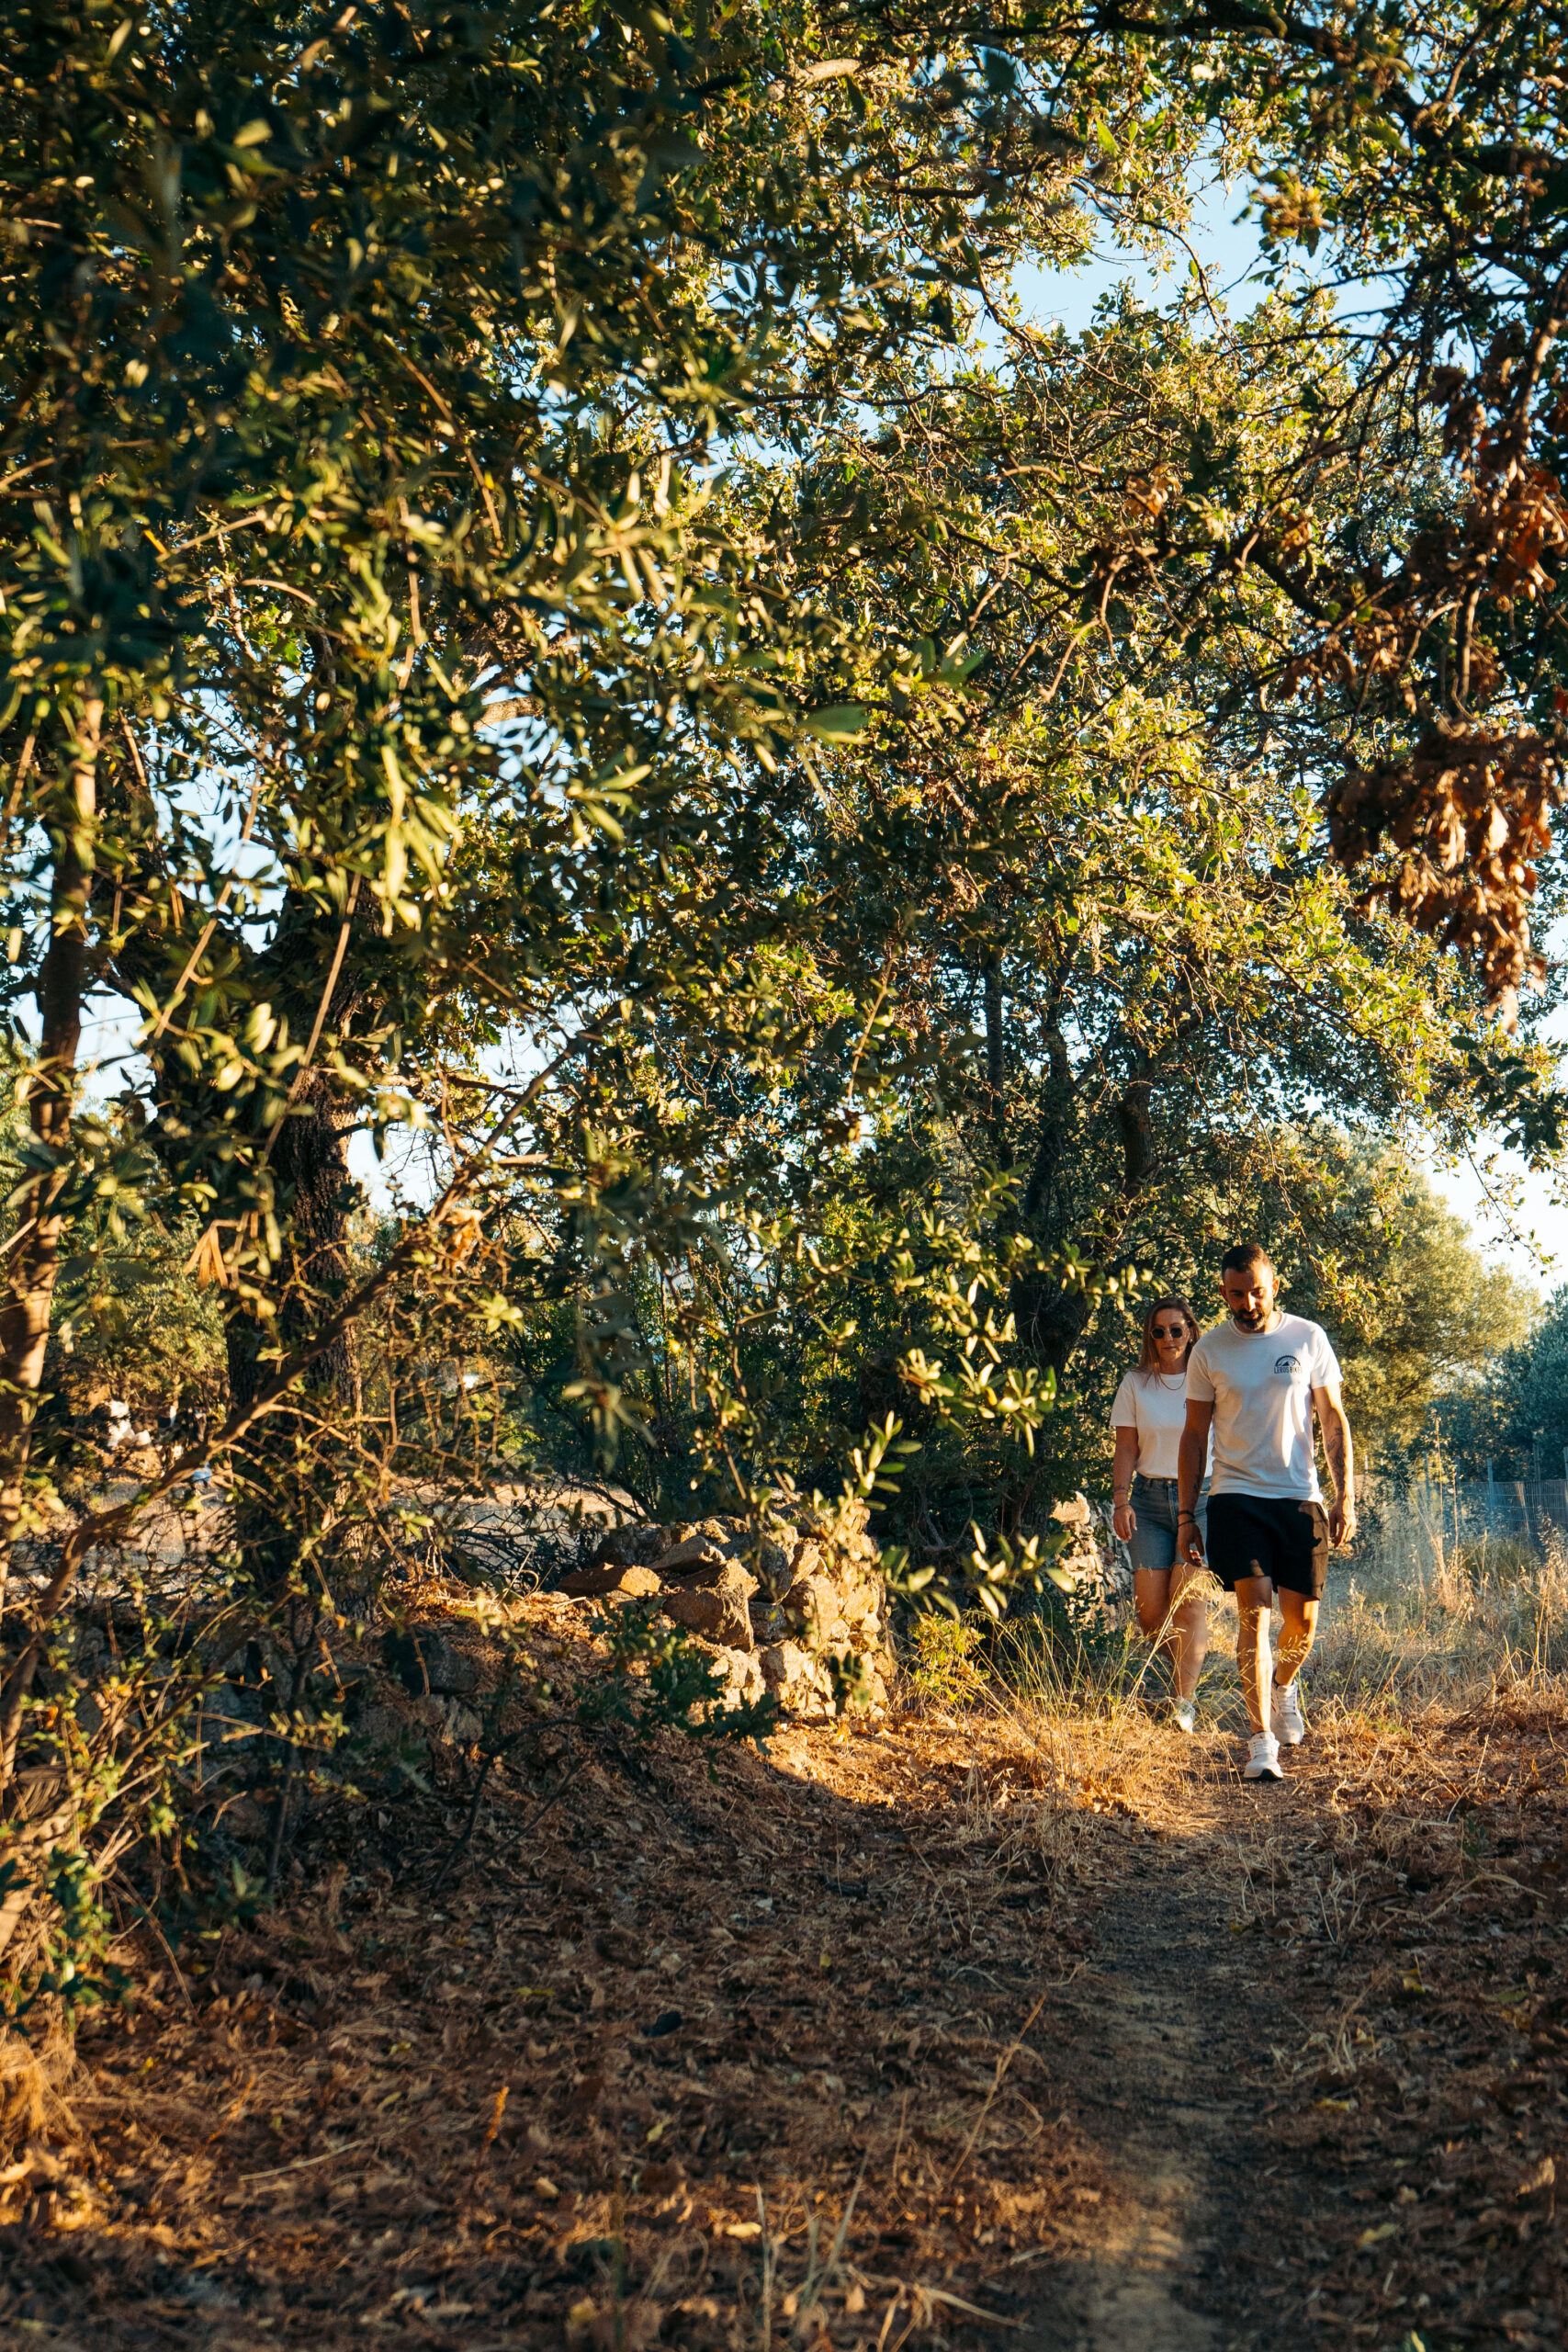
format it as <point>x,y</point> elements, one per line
<point>1467,812</point>
<point>1470,814</point>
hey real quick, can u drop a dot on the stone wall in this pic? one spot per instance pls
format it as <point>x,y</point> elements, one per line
<point>774,1615</point>
<point>1100,1566</point>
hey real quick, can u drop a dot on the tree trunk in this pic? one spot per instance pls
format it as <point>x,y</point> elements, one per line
<point>33,1259</point>
<point>1051,1320</point>
<point>312,1173</point>
<point>995,1059</point>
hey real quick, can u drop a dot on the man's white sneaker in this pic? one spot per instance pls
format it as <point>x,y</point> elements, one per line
<point>1289,1725</point>
<point>1262,1758</point>
<point>1184,1714</point>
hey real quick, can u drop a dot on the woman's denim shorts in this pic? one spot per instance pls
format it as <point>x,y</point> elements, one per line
<point>1152,1541</point>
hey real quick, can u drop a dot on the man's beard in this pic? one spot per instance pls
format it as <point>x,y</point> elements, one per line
<point>1251,1318</point>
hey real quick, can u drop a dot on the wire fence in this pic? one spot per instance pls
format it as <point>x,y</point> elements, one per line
<point>1464,1513</point>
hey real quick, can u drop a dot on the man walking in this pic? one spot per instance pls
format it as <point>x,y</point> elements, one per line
<point>1256,1379</point>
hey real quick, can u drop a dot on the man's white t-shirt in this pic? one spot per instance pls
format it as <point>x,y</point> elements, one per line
<point>1261,1385</point>
<point>1157,1409</point>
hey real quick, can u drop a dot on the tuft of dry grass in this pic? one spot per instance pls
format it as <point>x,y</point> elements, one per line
<point>37,2124</point>
<point>1420,1624</point>
<point>1095,1724</point>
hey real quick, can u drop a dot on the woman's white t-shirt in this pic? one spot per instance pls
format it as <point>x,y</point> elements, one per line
<point>1157,1409</point>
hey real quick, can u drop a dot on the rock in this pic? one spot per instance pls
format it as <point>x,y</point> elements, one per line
<point>383,1726</point>
<point>685,1560</point>
<point>718,1611</point>
<point>639,1584</point>
<point>1097,1566</point>
<point>741,1670</point>
<point>862,1602</point>
<point>768,1621</point>
<point>813,1602</point>
<point>596,1584</point>
<point>775,1562</point>
<point>636,1546</point>
<point>743,1678</point>
<point>426,1661</point>
<point>792,1593</point>
<point>448,1720</point>
<point>785,1663</point>
<point>708,1568</point>
<point>592,1584</point>
<point>798,1681</point>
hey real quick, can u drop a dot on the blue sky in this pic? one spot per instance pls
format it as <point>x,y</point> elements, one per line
<point>1227,249</point>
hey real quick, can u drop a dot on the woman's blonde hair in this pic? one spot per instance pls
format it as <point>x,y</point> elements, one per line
<point>1148,1360</point>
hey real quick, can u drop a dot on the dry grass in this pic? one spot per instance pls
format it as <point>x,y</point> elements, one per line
<point>1418,1625</point>
<point>33,2109</point>
<point>1097,1735</point>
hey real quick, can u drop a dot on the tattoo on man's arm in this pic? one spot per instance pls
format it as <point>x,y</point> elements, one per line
<point>1334,1444</point>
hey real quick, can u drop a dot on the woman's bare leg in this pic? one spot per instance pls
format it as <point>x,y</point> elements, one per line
<point>1151,1598</point>
<point>1189,1641</point>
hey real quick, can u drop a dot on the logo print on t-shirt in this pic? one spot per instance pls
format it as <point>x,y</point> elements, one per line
<point>1287,1365</point>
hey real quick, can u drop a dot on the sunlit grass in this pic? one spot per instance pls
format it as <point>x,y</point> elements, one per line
<point>1421,1622</point>
<point>1413,1634</point>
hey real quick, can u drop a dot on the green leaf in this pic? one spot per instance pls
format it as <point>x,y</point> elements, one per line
<point>840,722</point>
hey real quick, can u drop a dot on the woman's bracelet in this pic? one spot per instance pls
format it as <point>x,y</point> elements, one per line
<point>1187,1514</point>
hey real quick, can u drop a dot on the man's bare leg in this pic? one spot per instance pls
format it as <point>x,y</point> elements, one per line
<point>1189,1638</point>
<point>1254,1600</point>
<point>1296,1636</point>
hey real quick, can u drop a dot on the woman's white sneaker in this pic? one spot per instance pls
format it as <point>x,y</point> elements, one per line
<point>1184,1714</point>
<point>1262,1758</point>
<point>1289,1725</point>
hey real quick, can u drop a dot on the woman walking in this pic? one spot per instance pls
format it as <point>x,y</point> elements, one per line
<point>1148,1417</point>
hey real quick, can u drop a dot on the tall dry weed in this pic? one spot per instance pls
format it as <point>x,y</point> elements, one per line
<point>1423,1623</point>
<point>32,2109</point>
<point>1093,1720</point>
<point>1414,1628</point>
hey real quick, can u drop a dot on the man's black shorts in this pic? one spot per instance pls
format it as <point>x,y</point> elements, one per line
<point>1267,1535</point>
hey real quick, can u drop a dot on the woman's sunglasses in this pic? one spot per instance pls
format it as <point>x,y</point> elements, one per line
<point>1171,1330</point>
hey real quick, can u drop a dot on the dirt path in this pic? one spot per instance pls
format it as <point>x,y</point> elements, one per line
<point>1159,2037</point>
<point>1319,2049</point>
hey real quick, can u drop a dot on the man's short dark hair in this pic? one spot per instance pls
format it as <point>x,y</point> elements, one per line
<point>1242,1257</point>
